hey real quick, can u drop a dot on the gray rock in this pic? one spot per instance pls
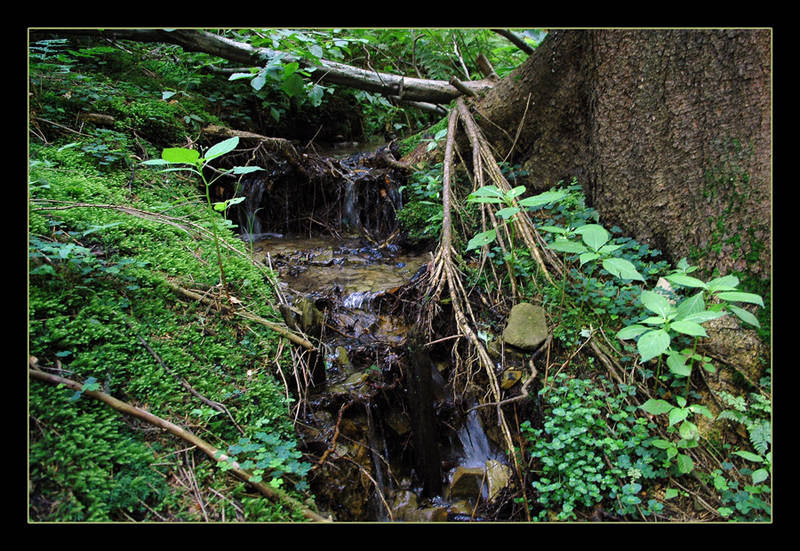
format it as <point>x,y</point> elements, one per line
<point>526,328</point>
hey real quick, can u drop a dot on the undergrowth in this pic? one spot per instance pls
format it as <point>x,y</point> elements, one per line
<point>105,235</point>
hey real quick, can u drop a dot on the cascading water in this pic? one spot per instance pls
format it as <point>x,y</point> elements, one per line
<point>391,462</point>
<point>252,189</point>
<point>477,450</point>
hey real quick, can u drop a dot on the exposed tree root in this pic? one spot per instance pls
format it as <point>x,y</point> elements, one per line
<point>444,273</point>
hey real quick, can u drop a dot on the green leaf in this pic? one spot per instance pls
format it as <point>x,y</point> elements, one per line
<point>290,68</point>
<point>691,305</point>
<point>725,512</point>
<point>622,269</point>
<point>677,365</point>
<point>702,317</point>
<point>744,315</point>
<point>760,475</point>
<point>685,281</point>
<point>676,415</point>
<point>656,303</point>
<point>739,296</point>
<point>652,344</point>
<point>662,444</point>
<point>180,155</point>
<point>669,493</point>
<point>543,198</point>
<point>654,406</point>
<point>688,431</point>
<point>315,95</point>
<point>223,147</point>
<point>685,463</point>
<point>567,246</point>
<point>507,212</point>
<point>481,239</point>
<point>701,409</point>
<point>588,257</point>
<point>554,229</point>
<point>259,81</point>
<point>608,249</point>
<point>516,192</point>
<point>237,76</point>
<point>293,85</point>
<point>688,328</point>
<point>750,456</point>
<point>654,320</point>
<point>486,194</point>
<point>593,235</point>
<point>724,283</point>
<point>245,169</point>
<point>631,331</point>
<point>155,162</point>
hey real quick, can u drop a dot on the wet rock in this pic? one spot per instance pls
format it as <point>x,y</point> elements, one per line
<point>488,481</point>
<point>526,328</point>
<point>310,317</point>
<point>507,354</point>
<point>466,483</point>
<point>342,358</point>
<point>509,378</point>
<point>398,422</point>
<point>405,508</point>
<point>497,477</point>
<point>429,514</point>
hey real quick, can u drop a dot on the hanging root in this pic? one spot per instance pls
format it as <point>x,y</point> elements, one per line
<point>483,160</point>
<point>444,272</point>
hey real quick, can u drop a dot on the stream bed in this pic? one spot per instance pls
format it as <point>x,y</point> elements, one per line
<point>359,416</point>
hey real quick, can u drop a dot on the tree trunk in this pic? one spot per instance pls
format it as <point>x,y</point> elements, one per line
<point>668,132</point>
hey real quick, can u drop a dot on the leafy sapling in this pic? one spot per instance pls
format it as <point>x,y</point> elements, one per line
<point>655,333</point>
<point>194,163</point>
<point>510,207</point>
<point>687,430</point>
<point>594,245</point>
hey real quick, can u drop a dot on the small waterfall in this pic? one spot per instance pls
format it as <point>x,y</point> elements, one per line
<point>252,189</point>
<point>350,216</point>
<point>359,299</point>
<point>377,445</point>
<point>477,450</point>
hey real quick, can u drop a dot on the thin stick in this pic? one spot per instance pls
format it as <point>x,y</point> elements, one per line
<point>213,452</point>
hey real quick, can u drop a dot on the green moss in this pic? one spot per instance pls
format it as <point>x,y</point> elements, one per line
<point>96,287</point>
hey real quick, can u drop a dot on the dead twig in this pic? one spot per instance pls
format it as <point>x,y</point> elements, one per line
<point>281,330</point>
<point>211,403</point>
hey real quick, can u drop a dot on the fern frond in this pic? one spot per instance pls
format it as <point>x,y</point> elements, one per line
<point>761,436</point>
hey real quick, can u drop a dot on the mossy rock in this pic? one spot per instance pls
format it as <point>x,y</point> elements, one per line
<point>526,328</point>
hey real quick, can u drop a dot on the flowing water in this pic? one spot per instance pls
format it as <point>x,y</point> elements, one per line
<point>364,357</point>
<point>363,418</point>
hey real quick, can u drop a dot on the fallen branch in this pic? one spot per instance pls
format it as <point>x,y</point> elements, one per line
<point>326,71</point>
<point>281,330</point>
<point>213,452</point>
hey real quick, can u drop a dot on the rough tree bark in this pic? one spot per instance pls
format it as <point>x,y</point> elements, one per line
<point>668,132</point>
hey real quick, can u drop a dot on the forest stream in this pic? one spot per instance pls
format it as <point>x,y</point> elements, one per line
<point>356,413</point>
